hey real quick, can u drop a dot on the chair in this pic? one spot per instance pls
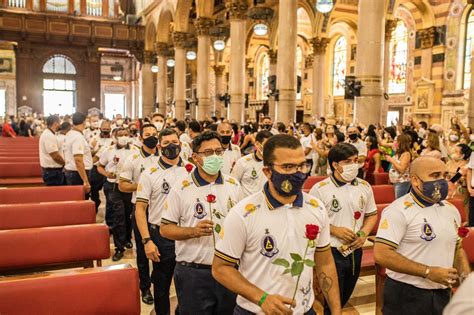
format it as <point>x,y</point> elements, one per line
<point>383,193</point>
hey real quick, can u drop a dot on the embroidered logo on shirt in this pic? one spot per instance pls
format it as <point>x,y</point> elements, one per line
<point>408,204</point>
<point>361,202</point>
<point>313,202</point>
<point>335,205</point>
<point>165,187</point>
<point>269,245</point>
<point>250,208</point>
<point>427,232</point>
<point>199,211</point>
<point>384,224</point>
<point>253,174</point>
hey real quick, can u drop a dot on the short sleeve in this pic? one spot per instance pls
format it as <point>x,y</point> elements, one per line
<point>315,191</point>
<point>52,145</point>
<point>231,246</point>
<point>324,237</point>
<point>127,170</point>
<point>471,161</point>
<point>78,147</point>
<point>362,148</point>
<point>392,227</point>
<point>104,159</point>
<point>172,208</point>
<point>144,188</point>
<point>370,206</point>
<point>238,170</point>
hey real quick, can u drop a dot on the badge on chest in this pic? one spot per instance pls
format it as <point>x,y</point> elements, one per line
<point>335,204</point>
<point>165,187</point>
<point>268,245</point>
<point>199,210</point>
<point>427,232</point>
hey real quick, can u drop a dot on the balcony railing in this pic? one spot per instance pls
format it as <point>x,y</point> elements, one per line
<point>94,8</point>
<point>17,4</point>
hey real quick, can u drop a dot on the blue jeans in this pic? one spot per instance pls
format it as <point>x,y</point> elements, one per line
<point>142,261</point>
<point>401,189</point>
<point>200,294</point>
<point>119,217</point>
<point>73,178</point>
<point>53,176</point>
<point>242,311</point>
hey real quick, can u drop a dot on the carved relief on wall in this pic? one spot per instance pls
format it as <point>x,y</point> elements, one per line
<point>424,96</point>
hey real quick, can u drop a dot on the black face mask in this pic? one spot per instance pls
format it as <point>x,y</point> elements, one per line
<point>288,184</point>
<point>133,132</point>
<point>171,151</point>
<point>150,142</point>
<point>225,140</point>
<point>105,133</point>
<point>353,136</point>
<point>267,127</point>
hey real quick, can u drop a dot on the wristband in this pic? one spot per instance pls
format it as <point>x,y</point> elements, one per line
<point>361,234</point>
<point>262,299</point>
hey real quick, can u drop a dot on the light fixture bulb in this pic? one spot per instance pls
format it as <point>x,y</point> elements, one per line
<point>170,63</point>
<point>191,55</point>
<point>154,69</point>
<point>219,45</point>
<point>260,29</point>
<point>117,77</point>
<point>324,6</point>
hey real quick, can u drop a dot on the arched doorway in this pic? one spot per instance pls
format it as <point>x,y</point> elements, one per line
<point>59,86</point>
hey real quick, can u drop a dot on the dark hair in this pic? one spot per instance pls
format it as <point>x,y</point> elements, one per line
<point>267,117</point>
<point>275,142</point>
<point>262,135</point>
<point>181,125</point>
<point>423,124</point>
<point>157,114</point>
<point>281,127</point>
<point>195,126</point>
<point>235,127</point>
<point>371,131</point>
<point>339,136</point>
<point>318,133</point>
<point>465,151</point>
<point>205,136</point>
<point>373,142</point>
<point>51,120</point>
<point>341,152</point>
<point>167,132</point>
<point>142,128</point>
<point>391,131</point>
<point>65,126</point>
<point>78,118</point>
<point>212,127</point>
<point>404,144</point>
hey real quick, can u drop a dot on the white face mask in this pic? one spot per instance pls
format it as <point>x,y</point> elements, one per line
<point>349,172</point>
<point>158,125</point>
<point>95,124</point>
<point>119,122</point>
<point>122,141</point>
<point>453,138</point>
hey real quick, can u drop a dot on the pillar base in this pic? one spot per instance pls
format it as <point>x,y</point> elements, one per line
<point>367,109</point>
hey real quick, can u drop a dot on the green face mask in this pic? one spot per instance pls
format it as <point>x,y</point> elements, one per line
<point>212,164</point>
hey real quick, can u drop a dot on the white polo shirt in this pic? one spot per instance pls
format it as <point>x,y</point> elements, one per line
<point>420,231</point>
<point>187,205</point>
<point>76,144</point>
<point>248,171</point>
<point>343,200</point>
<point>306,143</point>
<point>113,159</point>
<point>231,156</point>
<point>186,151</point>
<point>471,166</point>
<point>135,164</point>
<point>91,133</point>
<point>49,143</point>
<point>361,147</point>
<point>259,230</point>
<point>155,185</point>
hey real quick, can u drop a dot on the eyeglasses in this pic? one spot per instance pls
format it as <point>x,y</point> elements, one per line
<point>210,152</point>
<point>293,168</point>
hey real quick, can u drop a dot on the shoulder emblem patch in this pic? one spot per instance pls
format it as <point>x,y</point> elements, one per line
<point>231,181</point>
<point>408,204</point>
<point>185,184</point>
<point>153,170</point>
<point>313,202</point>
<point>250,208</point>
<point>135,156</point>
<point>384,224</point>
<point>322,184</point>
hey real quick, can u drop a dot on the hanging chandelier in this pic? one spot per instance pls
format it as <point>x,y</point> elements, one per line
<point>324,6</point>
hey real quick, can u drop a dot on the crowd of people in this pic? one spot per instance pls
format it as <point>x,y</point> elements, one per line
<point>199,199</point>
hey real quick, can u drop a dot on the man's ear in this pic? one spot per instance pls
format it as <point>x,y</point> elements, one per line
<point>267,172</point>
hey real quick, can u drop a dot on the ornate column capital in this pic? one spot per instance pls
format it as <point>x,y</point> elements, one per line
<point>273,55</point>
<point>308,61</point>
<point>203,24</point>
<point>179,39</point>
<point>148,57</point>
<point>319,44</point>
<point>427,36</point>
<point>219,70</point>
<point>237,9</point>
<point>161,48</point>
<point>389,27</point>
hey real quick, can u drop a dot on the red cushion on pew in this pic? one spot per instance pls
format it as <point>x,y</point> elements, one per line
<point>459,204</point>
<point>22,216</point>
<point>25,248</point>
<point>381,179</point>
<point>21,181</point>
<point>41,194</point>
<point>19,159</point>
<point>22,169</point>
<point>383,193</point>
<point>106,290</point>
<point>468,245</point>
<point>367,257</point>
<point>311,181</point>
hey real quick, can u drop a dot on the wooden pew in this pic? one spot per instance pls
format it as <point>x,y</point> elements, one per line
<point>49,248</point>
<point>24,216</point>
<point>20,174</point>
<point>383,193</point>
<point>41,194</point>
<point>105,290</point>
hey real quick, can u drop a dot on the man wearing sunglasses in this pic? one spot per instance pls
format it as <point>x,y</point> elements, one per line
<point>193,216</point>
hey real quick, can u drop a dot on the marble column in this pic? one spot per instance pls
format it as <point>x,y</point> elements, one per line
<point>162,51</point>
<point>369,65</point>
<point>202,25</point>
<point>148,93</point>
<point>272,54</point>
<point>179,39</point>
<point>427,36</point>
<point>220,90</point>
<point>390,25</point>
<point>319,67</point>
<point>237,12</point>
<point>286,65</point>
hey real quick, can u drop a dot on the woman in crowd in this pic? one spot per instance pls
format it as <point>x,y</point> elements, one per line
<point>248,139</point>
<point>399,173</point>
<point>457,168</point>
<point>25,128</point>
<point>386,142</point>
<point>432,146</point>
<point>373,161</point>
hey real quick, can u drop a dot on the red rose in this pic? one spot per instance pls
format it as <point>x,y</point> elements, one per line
<point>463,231</point>
<point>189,167</point>
<point>211,198</point>
<point>312,231</point>
<point>357,215</point>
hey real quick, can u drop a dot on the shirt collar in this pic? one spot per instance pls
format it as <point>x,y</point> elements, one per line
<point>199,181</point>
<point>338,183</point>
<point>272,203</point>
<point>421,201</point>
<point>256,157</point>
<point>166,166</point>
<point>146,154</point>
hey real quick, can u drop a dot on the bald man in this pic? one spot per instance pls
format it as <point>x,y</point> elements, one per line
<point>418,243</point>
<point>232,152</point>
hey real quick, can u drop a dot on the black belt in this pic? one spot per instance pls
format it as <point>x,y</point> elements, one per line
<point>194,265</point>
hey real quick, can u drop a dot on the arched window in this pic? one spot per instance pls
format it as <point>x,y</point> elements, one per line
<point>264,72</point>
<point>467,51</point>
<point>299,68</point>
<point>398,59</point>
<point>339,66</point>
<point>59,64</point>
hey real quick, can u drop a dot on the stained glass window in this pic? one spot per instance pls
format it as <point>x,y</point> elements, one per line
<point>398,59</point>
<point>467,51</point>
<point>264,73</point>
<point>339,66</point>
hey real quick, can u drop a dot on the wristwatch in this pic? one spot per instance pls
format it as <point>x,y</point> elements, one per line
<point>146,240</point>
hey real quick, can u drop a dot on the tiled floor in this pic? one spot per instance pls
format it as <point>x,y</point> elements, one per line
<point>362,301</point>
